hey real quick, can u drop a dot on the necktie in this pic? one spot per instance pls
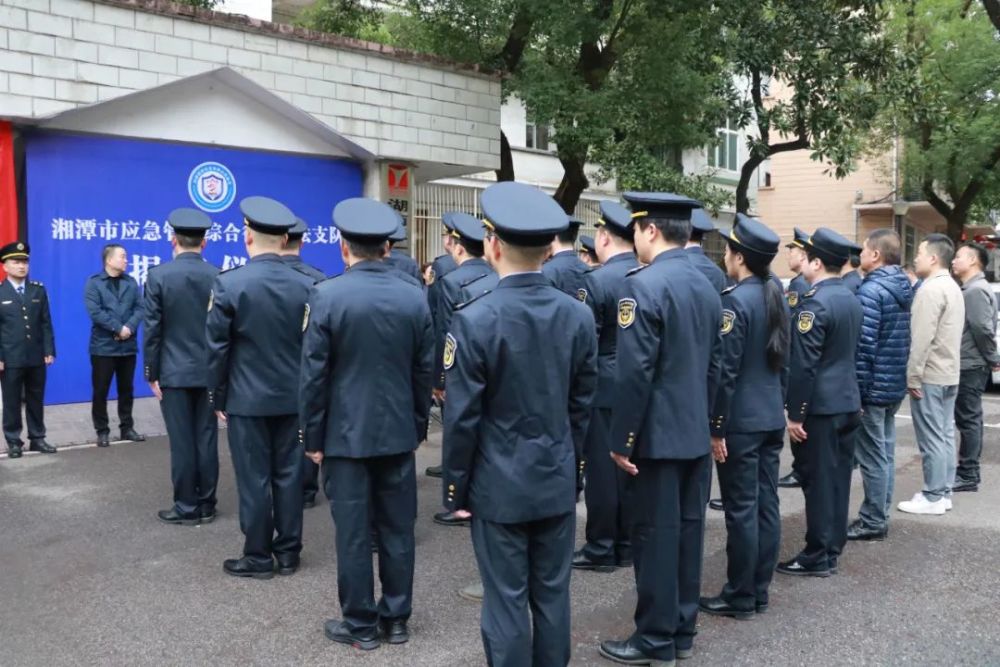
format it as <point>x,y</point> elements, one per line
<point>20,290</point>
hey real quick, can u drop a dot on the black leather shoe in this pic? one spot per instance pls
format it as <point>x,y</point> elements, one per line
<point>288,565</point>
<point>625,653</point>
<point>335,631</point>
<point>718,607</point>
<point>965,486</point>
<point>761,607</point>
<point>683,653</point>
<point>41,446</point>
<point>103,440</point>
<point>624,561</point>
<point>858,532</point>
<point>14,451</point>
<point>434,471</point>
<point>207,514</point>
<point>582,562</point>
<point>394,632</point>
<point>450,519</point>
<point>795,568</point>
<point>790,481</point>
<point>308,502</point>
<point>133,435</point>
<point>241,567</point>
<point>173,517</point>
<point>715,504</point>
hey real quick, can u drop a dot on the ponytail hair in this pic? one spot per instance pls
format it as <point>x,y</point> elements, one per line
<point>778,335</point>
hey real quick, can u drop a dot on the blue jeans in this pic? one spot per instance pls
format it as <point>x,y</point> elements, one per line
<point>876,456</point>
<point>934,422</point>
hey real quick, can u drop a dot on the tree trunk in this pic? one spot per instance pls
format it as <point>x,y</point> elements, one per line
<point>746,173</point>
<point>956,224</point>
<point>573,184</point>
<point>506,170</point>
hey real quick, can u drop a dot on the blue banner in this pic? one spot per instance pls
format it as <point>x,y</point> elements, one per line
<point>84,192</point>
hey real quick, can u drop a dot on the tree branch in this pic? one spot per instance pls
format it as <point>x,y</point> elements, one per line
<point>993,11</point>
<point>517,39</point>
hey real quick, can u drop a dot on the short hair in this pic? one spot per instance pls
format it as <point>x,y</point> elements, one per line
<point>982,255</point>
<point>366,250</point>
<point>941,247</point>
<point>522,254</point>
<point>674,230</point>
<point>887,242</point>
<point>474,248</point>
<point>293,242</point>
<point>696,235</point>
<point>855,261</point>
<point>108,250</point>
<point>569,236</point>
<point>189,241</point>
<point>831,267</point>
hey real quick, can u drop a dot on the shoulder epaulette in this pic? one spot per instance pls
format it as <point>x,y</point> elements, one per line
<point>730,288</point>
<point>810,293</point>
<point>472,280</point>
<point>636,269</point>
<point>473,299</point>
<point>36,283</point>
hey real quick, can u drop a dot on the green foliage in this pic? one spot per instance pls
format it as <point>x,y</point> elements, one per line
<point>353,18</point>
<point>200,4</point>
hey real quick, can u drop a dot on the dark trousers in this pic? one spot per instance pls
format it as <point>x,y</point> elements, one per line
<point>969,422</point>
<point>310,479</point>
<point>522,566</point>
<point>607,524</point>
<point>266,453</point>
<point>824,463</point>
<point>669,497</point>
<point>194,448</point>
<point>28,382</point>
<point>382,489</point>
<point>102,370</point>
<point>749,483</point>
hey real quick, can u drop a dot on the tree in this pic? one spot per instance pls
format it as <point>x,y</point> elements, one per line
<point>829,54</point>
<point>942,100</point>
<point>200,4</point>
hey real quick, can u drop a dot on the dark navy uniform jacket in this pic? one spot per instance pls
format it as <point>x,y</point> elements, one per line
<point>296,263</point>
<point>796,288</point>
<point>825,331</point>
<point>442,266</point>
<point>365,381</point>
<point>604,286</point>
<point>751,396</point>
<point>109,311</point>
<point>522,371</point>
<point>469,280</point>
<point>669,348</point>
<point>26,336</point>
<point>852,281</point>
<point>255,320</point>
<point>566,271</point>
<point>710,269</point>
<point>403,263</point>
<point>175,346</point>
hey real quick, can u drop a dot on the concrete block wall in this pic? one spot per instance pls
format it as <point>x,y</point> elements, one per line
<point>59,54</point>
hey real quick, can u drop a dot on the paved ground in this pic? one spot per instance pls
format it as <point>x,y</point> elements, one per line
<point>89,577</point>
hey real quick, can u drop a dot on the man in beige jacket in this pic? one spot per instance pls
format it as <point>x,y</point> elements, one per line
<point>933,372</point>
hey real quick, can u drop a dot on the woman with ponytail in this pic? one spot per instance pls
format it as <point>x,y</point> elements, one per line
<point>748,420</point>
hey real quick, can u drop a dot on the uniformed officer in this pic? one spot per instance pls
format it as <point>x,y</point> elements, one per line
<point>176,352</point>
<point>473,277</point>
<point>398,259</point>
<point>367,362</point>
<point>27,346</point>
<point>852,270</point>
<point>442,264</point>
<point>796,288</point>
<point>564,268</point>
<point>823,402</point>
<point>255,318</point>
<point>517,414</point>
<point>608,544</point>
<point>291,255</point>
<point>587,252</point>
<point>748,419</point>
<point>669,344</point>
<point>701,224</point>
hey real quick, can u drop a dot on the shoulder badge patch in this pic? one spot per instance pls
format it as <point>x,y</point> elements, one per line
<point>806,319</point>
<point>626,313</point>
<point>793,298</point>
<point>581,294</point>
<point>728,318</point>
<point>305,319</point>
<point>450,345</point>
<point>211,300</point>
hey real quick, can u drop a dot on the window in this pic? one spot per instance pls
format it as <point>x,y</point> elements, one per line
<point>537,137</point>
<point>725,153</point>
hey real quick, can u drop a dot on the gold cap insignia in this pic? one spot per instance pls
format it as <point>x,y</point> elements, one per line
<point>626,313</point>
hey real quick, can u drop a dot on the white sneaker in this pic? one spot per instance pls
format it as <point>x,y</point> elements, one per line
<point>947,503</point>
<point>920,505</point>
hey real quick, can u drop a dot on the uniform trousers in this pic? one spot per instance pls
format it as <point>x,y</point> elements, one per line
<point>310,479</point>
<point>749,484</point>
<point>28,382</point>
<point>194,450</point>
<point>266,458</point>
<point>668,498</point>
<point>607,523</point>
<point>383,490</point>
<point>824,463</point>
<point>525,565</point>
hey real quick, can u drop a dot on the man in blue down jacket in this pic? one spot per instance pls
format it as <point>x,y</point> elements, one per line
<point>883,351</point>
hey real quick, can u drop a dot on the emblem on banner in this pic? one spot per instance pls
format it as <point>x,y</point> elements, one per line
<point>212,187</point>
